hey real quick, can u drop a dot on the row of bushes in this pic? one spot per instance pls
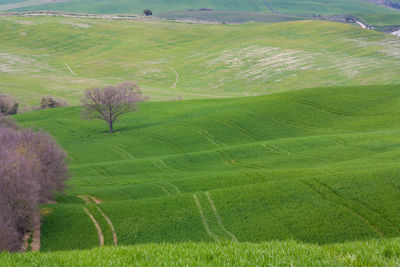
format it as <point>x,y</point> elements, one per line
<point>9,106</point>
<point>32,167</point>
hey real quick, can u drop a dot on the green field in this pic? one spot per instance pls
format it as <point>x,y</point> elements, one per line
<point>370,12</point>
<point>64,56</point>
<point>228,16</point>
<point>315,165</point>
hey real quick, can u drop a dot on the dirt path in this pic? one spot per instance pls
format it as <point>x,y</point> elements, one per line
<point>95,200</point>
<point>234,238</point>
<point>73,73</point>
<point>96,224</point>
<point>35,245</point>
<point>361,24</point>
<point>204,220</point>
<point>177,77</point>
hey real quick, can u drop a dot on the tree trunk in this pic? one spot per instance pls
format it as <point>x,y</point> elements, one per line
<point>111,127</point>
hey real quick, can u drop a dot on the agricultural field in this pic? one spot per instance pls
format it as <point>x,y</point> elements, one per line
<point>273,143</point>
<point>370,12</point>
<point>64,56</point>
<point>317,166</point>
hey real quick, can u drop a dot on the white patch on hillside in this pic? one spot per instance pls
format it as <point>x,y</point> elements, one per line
<point>12,63</point>
<point>256,62</point>
<point>396,33</point>
<point>389,46</point>
<point>275,65</point>
<point>74,24</point>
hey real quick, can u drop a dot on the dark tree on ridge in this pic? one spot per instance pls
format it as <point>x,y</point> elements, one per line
<point>147,12</point>
<point>109,103</point>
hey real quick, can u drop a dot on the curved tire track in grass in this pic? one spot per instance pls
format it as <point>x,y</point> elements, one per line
<point>296,124</point>
<point>163,189</point>
<point>351,210</point>
<point>365,206</point>
<point>234,238</point>
<point>96,224</point>
<point>115,238</point>
<point>97,201</point>
<point>175,187</point>
<point>269,146</point>
<point>125,154</point>
<point>204,220</point>
<point>336,112</point>
<point>344,143</point>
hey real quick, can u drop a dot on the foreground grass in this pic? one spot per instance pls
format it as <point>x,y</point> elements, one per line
<point>275,253</point>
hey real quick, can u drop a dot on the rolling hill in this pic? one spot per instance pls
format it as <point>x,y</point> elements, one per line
<point>63,56</point>
<point>372,13</point>
<point>315,165</point>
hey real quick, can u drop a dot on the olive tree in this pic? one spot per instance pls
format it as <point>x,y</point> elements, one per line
<point>110,102</point>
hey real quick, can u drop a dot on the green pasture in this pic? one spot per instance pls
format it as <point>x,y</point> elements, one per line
<point>318,166</point>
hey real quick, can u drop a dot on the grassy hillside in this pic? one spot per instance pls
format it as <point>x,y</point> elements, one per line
<point>380,15</point>
<point>371,253</point>
<point>315,165</point>
<point>63,56</point>
<point>227,16</point>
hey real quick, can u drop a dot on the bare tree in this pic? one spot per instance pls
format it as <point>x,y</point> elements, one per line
<point>111,102</point>
<point>32,167</point>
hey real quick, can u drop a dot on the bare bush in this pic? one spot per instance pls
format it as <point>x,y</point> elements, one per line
<point>50,102</point>
<point>32,167</point>
<point>8,106</point>
<point>6,121</point>
<point>111,102</point>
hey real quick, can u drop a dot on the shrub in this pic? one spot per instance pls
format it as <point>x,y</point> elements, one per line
<point>147,12</point>
<point>50,102</point>
<point>8,106</point>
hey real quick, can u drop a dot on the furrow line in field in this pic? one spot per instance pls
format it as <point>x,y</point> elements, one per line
<point>351,210</point>
<point>125,154</point>
<point>237,128</point>
<point>296,124</point>
<point>377,213</point>
<point>175,187</point>
<point>206,135</point>
<point>163,189</point>
<point>234,238</point>
<point>344,143</point>
<point>336,112</point>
